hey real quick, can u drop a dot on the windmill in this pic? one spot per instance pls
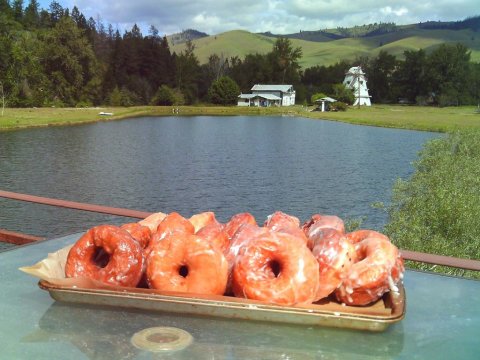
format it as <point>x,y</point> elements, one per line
<point>356,80</point>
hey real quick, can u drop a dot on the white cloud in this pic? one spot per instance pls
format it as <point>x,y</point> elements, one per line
<point>277,16</point>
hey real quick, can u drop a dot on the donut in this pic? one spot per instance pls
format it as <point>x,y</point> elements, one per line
<point>238,220</point>
<point>275,268</point>
<point>216,235</point>
<point>245,233</point>
<point>319,221</point>
<point>378,269</point>
<point>281,222</point>
<point>184,262</point>
<point>152,221</point>
<point>335,254</point>
<point>108,254</point>
<point>139,232</point>
<point>172,223</point>
<point>203,219</point>
<point>359,235</point>
<point>320,226</point>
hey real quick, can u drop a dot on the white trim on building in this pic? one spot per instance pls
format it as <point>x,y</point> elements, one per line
<point>268,95</point>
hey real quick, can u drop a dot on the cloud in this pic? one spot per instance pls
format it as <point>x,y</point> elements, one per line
<point>277,16</point>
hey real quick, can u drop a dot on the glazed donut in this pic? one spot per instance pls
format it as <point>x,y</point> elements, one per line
<point>281,222</point>
<point>359,235</point>
<point>186,263</point>
<point>139,232</point>
<point>319,221</point>
<point>335,254</point>
<point>172,223</point>
<point>238,220</point>
<point>216,235</point>
<point>320,226</point>
<point>272,267</point>
<point>152,221</point>
<point>378,269</point>
<point>245,233</point>
<point>203,219</point>
<point>108,254</point>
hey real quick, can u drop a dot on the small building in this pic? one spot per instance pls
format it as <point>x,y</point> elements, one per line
<point>324,103</point>
<point>268,95</point>
<point>356,80</point>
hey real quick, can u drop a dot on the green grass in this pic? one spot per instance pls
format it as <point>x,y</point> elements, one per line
<point>393,116</point>
<point>437,210</point>
<point>240,43</point>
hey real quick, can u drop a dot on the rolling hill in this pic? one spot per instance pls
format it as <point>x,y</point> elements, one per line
<point>330,46</point>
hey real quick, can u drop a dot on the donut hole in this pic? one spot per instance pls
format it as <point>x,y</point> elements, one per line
<point>183,271</point>
<point>275,267</point>
<point>100,257</point>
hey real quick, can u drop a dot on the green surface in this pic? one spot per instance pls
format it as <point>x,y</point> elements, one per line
<point>442,321</point>
<point>240,43</point>
<point>394,116</point>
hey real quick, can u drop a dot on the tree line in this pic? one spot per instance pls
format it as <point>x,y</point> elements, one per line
<point>58,57</point>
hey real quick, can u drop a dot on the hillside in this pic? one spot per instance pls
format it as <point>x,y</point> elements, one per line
<point>330,46</point>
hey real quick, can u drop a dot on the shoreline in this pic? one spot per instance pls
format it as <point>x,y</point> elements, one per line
<point>419,118</point>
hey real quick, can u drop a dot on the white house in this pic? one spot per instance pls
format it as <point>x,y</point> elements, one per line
<point>268,95</point>
<point>355,79</point>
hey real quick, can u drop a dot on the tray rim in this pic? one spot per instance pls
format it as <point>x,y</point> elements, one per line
<point>374,322</point>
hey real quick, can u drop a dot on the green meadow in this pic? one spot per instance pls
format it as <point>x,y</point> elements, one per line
<point>393,116</point>
<point>240,43</point>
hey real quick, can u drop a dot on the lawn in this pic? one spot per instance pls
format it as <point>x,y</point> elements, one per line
<point>393,116</point>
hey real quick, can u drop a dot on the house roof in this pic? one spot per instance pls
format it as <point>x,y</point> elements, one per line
<point>282,88</point>
<point>264,96</point>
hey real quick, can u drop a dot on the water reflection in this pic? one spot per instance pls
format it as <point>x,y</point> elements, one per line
<point>105,333</point>
<point>193,164</point>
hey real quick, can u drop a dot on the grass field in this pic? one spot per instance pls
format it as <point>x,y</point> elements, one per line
<point>393,116</point>
<point>240,43</point>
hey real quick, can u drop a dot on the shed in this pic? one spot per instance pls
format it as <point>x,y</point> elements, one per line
<point>323,102</point>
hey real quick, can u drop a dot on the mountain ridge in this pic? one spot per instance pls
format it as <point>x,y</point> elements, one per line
<point>328,46</point>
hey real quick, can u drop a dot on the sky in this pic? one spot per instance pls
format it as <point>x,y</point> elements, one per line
<point>276,16</point>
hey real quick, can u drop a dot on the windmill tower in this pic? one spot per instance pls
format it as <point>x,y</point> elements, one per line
<point>355,79</point>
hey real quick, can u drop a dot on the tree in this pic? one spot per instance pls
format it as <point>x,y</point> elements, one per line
<point>379,72</point>
<point>31,17</point>
<point>284,61</point>
<point>69,60</point>
<point>409,79</point>
<point>448,72</point>
<point>2,95</point>
<point>187,71</point>
<point>224,91</point>
<point>17,8</point>
<point>343,94</point>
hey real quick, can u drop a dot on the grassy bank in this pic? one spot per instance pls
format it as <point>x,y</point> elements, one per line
<point>394,116</point>
<point>437,209</point>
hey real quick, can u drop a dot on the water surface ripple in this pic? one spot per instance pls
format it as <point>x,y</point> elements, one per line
<point>193,164</point>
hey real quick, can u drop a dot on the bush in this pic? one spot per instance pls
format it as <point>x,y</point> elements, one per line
<point>164,96</point>
<point>437,210</point>
<point>339,106</point>
<point>224,91</point>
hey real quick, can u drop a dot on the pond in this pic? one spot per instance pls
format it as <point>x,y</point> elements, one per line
<point>200,163</point>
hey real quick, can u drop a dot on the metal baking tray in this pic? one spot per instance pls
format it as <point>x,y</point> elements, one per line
<point>375,317</point>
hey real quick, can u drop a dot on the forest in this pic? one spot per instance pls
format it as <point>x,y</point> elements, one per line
<point>58,57</point>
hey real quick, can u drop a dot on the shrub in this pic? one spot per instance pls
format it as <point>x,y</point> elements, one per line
<point>437,210</point>
<point>223,91</point>
<point>339,106</point>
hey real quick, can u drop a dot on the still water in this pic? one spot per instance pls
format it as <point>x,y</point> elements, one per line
<point>193,164</point>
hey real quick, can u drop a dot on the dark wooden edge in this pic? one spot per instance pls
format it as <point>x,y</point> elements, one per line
<point>441,260</point>
<point>17,238</point>
<point>75,205</point>
<point>407,254</point>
